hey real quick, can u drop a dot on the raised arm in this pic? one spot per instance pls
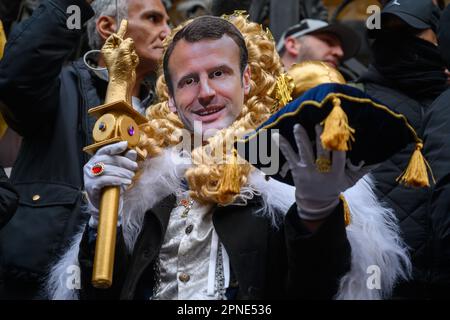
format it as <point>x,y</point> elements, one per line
<point>34,55</point>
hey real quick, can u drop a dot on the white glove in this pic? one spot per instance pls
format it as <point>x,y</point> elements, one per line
<point>317,193</point>
<point>118,171</point>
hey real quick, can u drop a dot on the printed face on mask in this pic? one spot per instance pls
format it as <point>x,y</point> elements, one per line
<point>208,86</point>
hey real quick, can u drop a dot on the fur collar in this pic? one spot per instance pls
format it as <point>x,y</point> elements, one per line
<point>163,175</point>
<point>377,248</point>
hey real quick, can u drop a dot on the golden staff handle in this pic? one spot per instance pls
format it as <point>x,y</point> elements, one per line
<point>106,238</point>
<point>122,75</point>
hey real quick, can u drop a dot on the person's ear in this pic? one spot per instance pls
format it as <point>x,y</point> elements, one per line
<point>171,104</point>
<point>292,46</point>
<point>246,77</point>
<point>106,26</point>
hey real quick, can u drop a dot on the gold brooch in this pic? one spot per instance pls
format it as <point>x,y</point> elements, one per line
<point>187,204</point>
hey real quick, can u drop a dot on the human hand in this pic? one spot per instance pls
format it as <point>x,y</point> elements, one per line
<point>317,192</point>
<point>118,170</point>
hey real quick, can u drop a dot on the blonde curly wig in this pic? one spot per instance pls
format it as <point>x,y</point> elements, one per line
<point>212,160</point>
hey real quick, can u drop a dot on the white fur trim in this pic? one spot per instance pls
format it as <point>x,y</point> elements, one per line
<point>161,176</point>
<point>65,276</point>
<point>277,197</point>
<point>373,233</point>
<point>375,240</point>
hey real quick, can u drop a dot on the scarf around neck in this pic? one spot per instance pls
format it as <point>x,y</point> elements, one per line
<point>411,64</point>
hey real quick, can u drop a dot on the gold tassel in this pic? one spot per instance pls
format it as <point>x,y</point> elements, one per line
<point>416,174</point>
<point>231,180</point>
<point>336,132</point>
<point>347,215</point>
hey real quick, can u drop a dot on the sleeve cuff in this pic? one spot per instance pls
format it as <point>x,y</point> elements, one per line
<point>312,215</point>
<point>332,227</point>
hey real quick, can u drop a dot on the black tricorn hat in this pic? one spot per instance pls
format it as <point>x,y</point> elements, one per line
<point>353,121</point>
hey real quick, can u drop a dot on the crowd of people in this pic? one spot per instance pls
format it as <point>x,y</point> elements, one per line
<point>189,225</point>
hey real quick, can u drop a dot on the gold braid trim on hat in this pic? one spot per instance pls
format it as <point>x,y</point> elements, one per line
<point>216,160</point>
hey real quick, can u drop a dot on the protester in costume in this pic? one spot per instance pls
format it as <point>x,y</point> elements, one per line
<point>202,225</point>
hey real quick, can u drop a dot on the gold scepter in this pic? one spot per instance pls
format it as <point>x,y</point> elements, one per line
<point>116,121</point>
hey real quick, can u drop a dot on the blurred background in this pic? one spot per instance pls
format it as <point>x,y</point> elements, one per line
<point>278,15</point>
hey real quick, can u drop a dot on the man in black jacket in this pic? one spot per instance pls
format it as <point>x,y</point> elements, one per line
<point>437,151</point>
<point>437,148</point>
<point>407,74</point>
<point>47,104</point>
